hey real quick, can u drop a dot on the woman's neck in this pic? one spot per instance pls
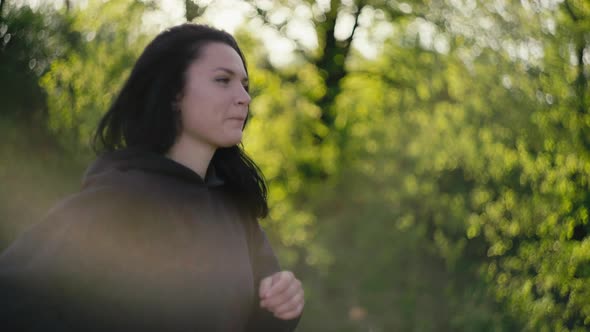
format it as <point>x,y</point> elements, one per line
<point>192,154</point>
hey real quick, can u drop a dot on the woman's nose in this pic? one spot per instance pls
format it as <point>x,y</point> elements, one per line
<point>243,97</point>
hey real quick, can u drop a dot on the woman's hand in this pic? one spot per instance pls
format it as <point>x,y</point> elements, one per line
<point>282,294</point>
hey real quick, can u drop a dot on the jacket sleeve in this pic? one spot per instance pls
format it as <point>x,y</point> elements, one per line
<point>28,269</point>
<point>264,264</point>
<point>58,274</point>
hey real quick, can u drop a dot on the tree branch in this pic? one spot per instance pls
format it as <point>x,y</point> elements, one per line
<point>360,7</point>
<point>263,14</point>
<point>570,11</point>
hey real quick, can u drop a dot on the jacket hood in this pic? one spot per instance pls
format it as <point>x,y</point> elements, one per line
<point>115,162</point>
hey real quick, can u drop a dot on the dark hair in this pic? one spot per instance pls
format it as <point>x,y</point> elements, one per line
<point>143,113</point>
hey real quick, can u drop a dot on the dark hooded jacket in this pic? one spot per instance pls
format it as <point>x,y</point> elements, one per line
<point>146,245</point>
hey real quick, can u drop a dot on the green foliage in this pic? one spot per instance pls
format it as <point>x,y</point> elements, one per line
<point>81,85</point>
<point>29,42</point>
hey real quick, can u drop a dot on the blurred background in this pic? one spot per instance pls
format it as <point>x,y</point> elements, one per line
<point>428,160</point>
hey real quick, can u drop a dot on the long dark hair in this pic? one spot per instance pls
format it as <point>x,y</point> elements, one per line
<point>143,113</point>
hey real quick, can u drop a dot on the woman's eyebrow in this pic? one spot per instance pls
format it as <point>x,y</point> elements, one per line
<point>230,72</point>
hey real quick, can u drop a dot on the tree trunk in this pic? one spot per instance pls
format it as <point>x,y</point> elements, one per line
<point>1,8</point>
<point>333,61</point>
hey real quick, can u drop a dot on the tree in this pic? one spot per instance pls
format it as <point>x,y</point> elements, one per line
<point>82,85</point>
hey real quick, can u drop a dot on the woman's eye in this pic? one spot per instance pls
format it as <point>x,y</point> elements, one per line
<point>222,80</point>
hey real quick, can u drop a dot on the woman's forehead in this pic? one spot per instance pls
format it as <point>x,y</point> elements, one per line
<point>220,57</point>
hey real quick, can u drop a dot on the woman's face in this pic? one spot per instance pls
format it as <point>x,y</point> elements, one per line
<point>214,104</point>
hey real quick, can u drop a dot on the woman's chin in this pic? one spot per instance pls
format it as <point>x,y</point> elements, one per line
<point>231,141</point>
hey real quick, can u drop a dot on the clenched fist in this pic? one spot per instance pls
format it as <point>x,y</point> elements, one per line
<point>282,294</point>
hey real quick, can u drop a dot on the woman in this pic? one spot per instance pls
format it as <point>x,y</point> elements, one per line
<point>164,233</point>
